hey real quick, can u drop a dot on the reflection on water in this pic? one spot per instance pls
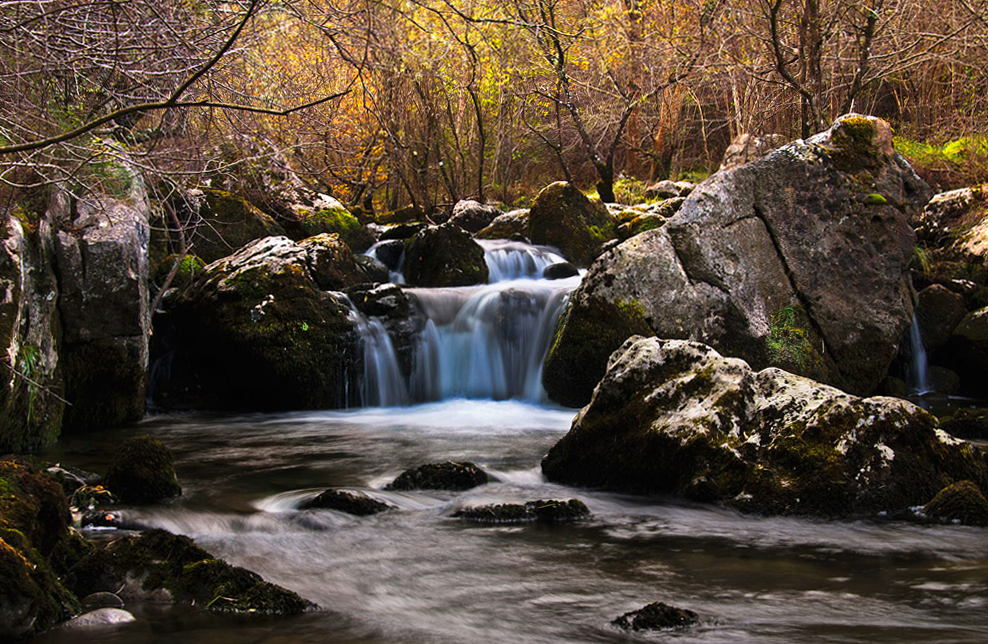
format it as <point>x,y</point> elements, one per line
<point>416,575</point>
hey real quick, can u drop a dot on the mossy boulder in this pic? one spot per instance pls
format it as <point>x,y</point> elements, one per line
<point>331,262</point>
<point>564,217</point>
<point>541,511</point>
<point>225,222</point>
<point>449,475</point>
<point>657,616</point>
<point>255,331</point>
<point>578,356</point>
<point>676,417</point>
<point>748,261</point>
<point>142,471</point>
<point>961,502</point>
<point>473,216</point>
<point>967,423</point>
<point>34,538</point>
<point>188,267</point>
<point>442,256</point>
<point>510,225</point>
<point>355,503</point>
<point>331,217</point>
<point>158,564</point>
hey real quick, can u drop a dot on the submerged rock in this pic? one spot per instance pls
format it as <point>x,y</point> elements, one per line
<point>142,471</point>
<point>100,617</point>
<point>960,502</point>
<point>541,511</point>
<point>354,503</point>
<point>657,616</point>
<point>784,261</point>
<point>162,566</point>
<point>564,217</point>
<point>440,476</point>
<point>441,256</point>
<point>674,416</point>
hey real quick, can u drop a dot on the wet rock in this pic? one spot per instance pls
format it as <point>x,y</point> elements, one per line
<point>440,476</point>
<point>91,496</point>
<point>372,268</point>
<point>390,253</point>
<point>382,300</point>
<point>100,617</point>
<point>255,331</point>
<point>142,471</point>
<point>967,424</point>
<point>34,533</point>
<point>961,502</point>
<point>563,217</point>
<point>354,503</point>
<point>441,256</point>
<point>401,231</point>
<point>473,216</point>
<point>657,616</point>
<point>331,262</point>
<point>541,511</point>
<point>966,352</point>
<point>736,268</point>
<point>158,565</point>
<point>510,225</point>
<point>72,478</point>
<point>676,417</point>
<point>560,270</point>
<point>938,312</point>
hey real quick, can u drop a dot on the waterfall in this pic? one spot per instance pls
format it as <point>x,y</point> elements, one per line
<point>484,342</point>
<point>919,371</point>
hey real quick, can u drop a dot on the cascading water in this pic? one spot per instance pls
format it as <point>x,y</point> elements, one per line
<point>476,342</point>
<point>919,371</point>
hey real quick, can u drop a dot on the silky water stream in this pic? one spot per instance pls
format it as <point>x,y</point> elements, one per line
<point>416,575</point>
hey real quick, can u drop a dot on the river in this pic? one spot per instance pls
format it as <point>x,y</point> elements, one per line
<point>416,575</point>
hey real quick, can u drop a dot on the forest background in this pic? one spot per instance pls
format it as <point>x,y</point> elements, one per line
<point>386,104</point>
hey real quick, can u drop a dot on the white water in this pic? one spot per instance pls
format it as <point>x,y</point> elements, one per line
<point>919,370</point>
<point>485,342</point>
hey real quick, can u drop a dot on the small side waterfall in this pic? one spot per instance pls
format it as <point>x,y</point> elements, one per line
<point>919,370</point>
<point>483,342</point>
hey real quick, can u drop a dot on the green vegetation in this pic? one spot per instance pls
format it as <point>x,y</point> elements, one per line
<point>787,342</point>
<point>948,164</point>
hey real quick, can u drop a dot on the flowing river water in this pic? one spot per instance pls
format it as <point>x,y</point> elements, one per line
<point>417,575</point>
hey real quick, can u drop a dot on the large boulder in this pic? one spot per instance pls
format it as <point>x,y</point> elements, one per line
<point>32,388</point>
<point>510,225</point>
<point>332,262</point>
<point>329,216</point>
<point>966,352</point>
<point>142,471</point>
<point>222,222</point>
<point>446,255</point>
<point>564,217</point>
<point>676,417</point>
<point>473,216</point>
<point>256,332</point>
<point>102,263</point>
<point>799,260</point>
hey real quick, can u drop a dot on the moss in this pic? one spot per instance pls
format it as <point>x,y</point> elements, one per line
<point>585,338</point>
<point>142,471</point>
<point>960,502</point>
<point>853,138</point>
<point>788,342</point>
<point>341,222</point>
<point>189,267</point>
<point>875,199</point>
<point>563,217</point>
<point>218,586</point>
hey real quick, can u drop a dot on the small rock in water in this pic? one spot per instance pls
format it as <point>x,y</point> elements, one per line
<point>440,476</point>
<point>100,617</point>
<point>343,501</point>
<point>961,502</point>
<point>541,511</point>
<point>657,616</point>
<point>559,270</point>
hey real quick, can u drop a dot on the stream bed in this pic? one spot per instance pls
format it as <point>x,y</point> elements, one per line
<point>416,575</point>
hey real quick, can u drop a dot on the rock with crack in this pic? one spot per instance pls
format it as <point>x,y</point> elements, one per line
<point>786,261</point>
